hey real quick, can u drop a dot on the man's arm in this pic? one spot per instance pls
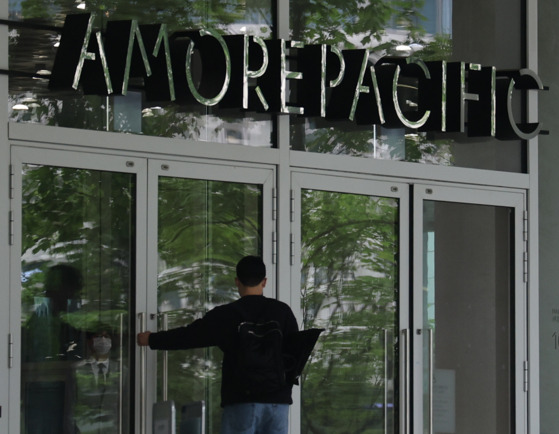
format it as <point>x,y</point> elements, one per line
<point>203,332</point>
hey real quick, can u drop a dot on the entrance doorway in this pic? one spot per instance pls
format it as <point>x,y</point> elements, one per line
<point>107,247</point>
<point>420,289</point>
<point>77,279</point>
<point>422,295</point>
<point>207,217</point>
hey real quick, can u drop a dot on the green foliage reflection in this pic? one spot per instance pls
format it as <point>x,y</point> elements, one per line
<point>78,229</point>
<point>385,28</point>
<point>82,217</point>
<point>349,287</point>
<point>204,228</point>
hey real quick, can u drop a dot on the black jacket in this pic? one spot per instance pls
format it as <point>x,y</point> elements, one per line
<point>219,328</point>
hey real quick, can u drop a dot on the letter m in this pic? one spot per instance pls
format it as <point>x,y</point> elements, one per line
<point>126,54</point>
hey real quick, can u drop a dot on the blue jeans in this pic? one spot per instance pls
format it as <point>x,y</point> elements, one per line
<point>255,418</point>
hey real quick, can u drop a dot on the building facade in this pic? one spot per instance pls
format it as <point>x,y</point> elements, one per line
<point>392,162</point>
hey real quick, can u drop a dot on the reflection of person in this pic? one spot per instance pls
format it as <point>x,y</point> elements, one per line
<point>49,345</point>
<point>241,414</point>
<point>48,336</point>
<point>98,386</point>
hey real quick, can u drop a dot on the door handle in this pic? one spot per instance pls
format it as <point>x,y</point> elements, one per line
<point>143,357</point>
<point>165,376</point>
<point>385,404</point>
<point>121,378</point>
<point>431,377</point>
<point>405,382</point>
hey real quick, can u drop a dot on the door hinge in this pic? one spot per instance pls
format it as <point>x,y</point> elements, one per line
<point>525,260</point>
<point>525,239</point>
<point>291,249</point>
<point>11,236</point>
<point>292,206</point>
<point>11,181</point>
<point>274,247</point>
<point>525,224</point>
<point>10,351</point>
<point>274,204</point>
<point>526,375</point>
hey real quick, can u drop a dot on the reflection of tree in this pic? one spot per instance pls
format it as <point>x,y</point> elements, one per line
<point>419,148</point>
<point>382,27</point>
<point>81,217</point>
<point>349,278</point>
<point>378,25</point>
<point>72,109</point>
<point>176,13</point>
<point>204,228</point>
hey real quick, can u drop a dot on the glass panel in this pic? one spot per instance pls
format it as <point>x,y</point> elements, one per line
<point>35,40</point>
<point>77,286</point>
<point>428,30</point>
<point>208,228</point>
<point>467,306</point>
<point>349,255</point>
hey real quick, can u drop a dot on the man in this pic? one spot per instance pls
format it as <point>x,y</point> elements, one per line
<point>99,380</point>
<point>243,412</point>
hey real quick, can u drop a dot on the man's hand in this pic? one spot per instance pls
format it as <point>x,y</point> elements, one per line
<point>143,339</point>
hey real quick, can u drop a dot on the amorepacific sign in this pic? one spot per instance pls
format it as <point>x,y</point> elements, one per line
<point>288,77</point>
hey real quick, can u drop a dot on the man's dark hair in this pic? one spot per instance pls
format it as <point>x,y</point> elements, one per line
<point>251,270</point>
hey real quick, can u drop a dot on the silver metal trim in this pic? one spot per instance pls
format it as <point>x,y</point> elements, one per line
<point>405,380</point>
<point>385,403</point>
<point>431,378</point>
<point>143,379</point>
<point>121,378</point>
<point>165,374</point>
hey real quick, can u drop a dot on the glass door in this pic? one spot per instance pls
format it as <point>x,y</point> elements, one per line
<point>207,217</point>
<point>77,268</point>
<point>348,236</point>
<point>460,364</point>
<point>470,309</point>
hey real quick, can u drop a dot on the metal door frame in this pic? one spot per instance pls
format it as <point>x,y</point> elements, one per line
<point>47,157</point>
<point>211,171</point>
<point>476,196</point>
<point>147,172</point>
<point>366,187</point>
<point>411,197</point>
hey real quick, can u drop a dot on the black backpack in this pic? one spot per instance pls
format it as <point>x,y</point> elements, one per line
<point>260,364</point>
